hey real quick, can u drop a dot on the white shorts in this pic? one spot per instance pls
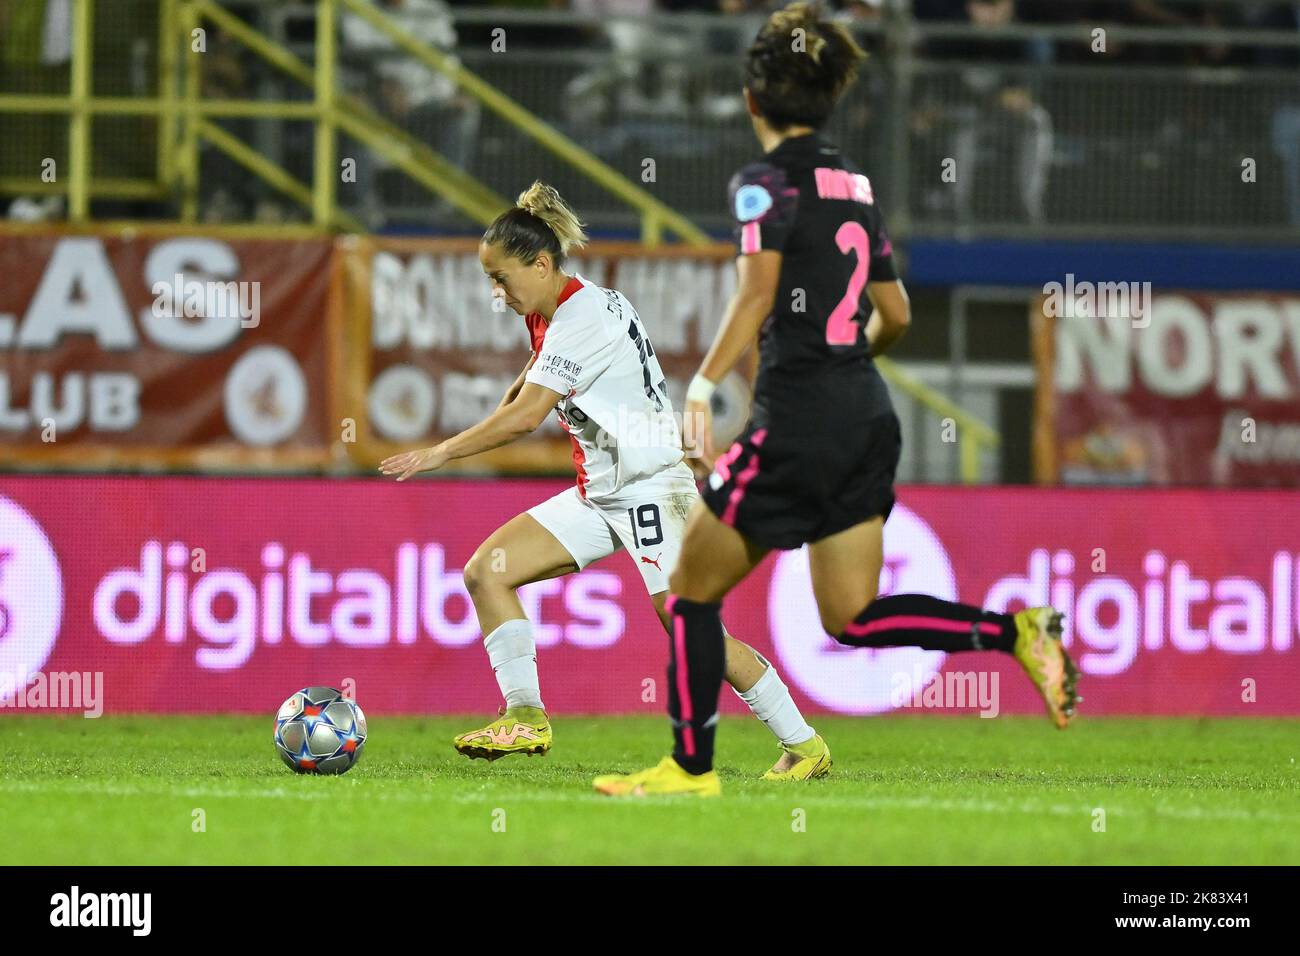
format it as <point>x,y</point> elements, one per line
<point>648,517</point>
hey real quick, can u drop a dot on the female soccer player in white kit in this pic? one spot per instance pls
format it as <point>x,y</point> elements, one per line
<point>593,363</point>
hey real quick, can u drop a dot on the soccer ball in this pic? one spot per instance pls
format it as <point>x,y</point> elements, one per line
<point>318,730</point>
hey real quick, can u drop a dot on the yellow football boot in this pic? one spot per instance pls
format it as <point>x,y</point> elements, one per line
<point>1039,651</point>
<point>804,761</point>
<point>665,779</point>
<point>519,730</point>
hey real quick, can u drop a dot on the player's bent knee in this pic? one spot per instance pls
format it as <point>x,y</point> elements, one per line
<point>834,626</point>
<point>478,574</point>
<point>835,621</point>
<point>692,587</point>
<point>676,581</point>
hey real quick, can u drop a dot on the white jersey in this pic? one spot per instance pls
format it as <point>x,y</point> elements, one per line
<point>596,354</point>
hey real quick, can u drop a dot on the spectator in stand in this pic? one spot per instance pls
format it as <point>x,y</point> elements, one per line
<point>35,54</point>
<point>614,8</point>
<point>531,35</point>
<point>230,195</point>
<point>1138,13</point>
<point>745,6</point>
<point>425,103</point>
<point>640,95</point>
<point>1157,13</point>
<point>859,11</point>
<point>1285,122</point>
<point>991,111</point>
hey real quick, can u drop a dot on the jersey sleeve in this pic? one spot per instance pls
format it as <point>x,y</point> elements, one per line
<point>763,205</point>
<point>572,355</point>
<point>882,252</point>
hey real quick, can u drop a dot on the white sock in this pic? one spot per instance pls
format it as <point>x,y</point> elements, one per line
<point>771,703</point>
<point>514,659</point>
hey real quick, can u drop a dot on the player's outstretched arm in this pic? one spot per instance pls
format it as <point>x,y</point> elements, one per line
<point>508,423</point>
<point>757,277</point>
<point>891,315</point>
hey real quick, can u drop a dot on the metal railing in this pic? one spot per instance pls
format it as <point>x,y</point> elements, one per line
<point>179,100</point>
<point>1088,148</point>
<point>1092,149</point>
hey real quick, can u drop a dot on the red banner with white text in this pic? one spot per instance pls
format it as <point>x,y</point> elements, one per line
<point>156,350</point>
<point>1167,389</point>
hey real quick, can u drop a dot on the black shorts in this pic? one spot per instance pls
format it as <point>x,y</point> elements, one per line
<point>782,487</point>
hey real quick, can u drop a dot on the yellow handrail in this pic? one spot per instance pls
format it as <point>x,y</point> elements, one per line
<point>150,105</point>
<point>273,174</point>
<point>166,162</point>
<point>413,157</point>
<point>119,187</point>
<point>79,124</point>
<point>973,434</point>
<point>323,179</point>
<point>189,153</point>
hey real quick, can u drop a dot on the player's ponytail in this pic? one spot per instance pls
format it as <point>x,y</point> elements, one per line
<point>545,203</point>
<point>799,65</point>
<point>540,222</point>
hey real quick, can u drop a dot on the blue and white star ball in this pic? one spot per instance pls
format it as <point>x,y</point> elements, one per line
<point>318,730</point>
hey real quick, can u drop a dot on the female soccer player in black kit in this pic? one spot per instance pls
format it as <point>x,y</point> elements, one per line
<point>815,465</point>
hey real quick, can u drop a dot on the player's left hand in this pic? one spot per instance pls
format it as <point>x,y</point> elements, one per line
<point>408,463</point>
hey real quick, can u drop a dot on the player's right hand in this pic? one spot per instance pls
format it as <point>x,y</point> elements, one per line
<point>410,462</point>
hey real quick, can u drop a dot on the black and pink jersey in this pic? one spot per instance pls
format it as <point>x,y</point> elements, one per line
<point>807,202</point>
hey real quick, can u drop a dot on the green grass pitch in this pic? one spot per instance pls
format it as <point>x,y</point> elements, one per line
<point>905,789</point>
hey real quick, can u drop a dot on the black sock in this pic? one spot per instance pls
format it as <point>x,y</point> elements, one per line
<point>696,657</point>
<point>919,620</point>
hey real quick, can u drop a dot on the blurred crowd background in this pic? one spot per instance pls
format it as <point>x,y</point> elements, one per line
<point>1066,117</point>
